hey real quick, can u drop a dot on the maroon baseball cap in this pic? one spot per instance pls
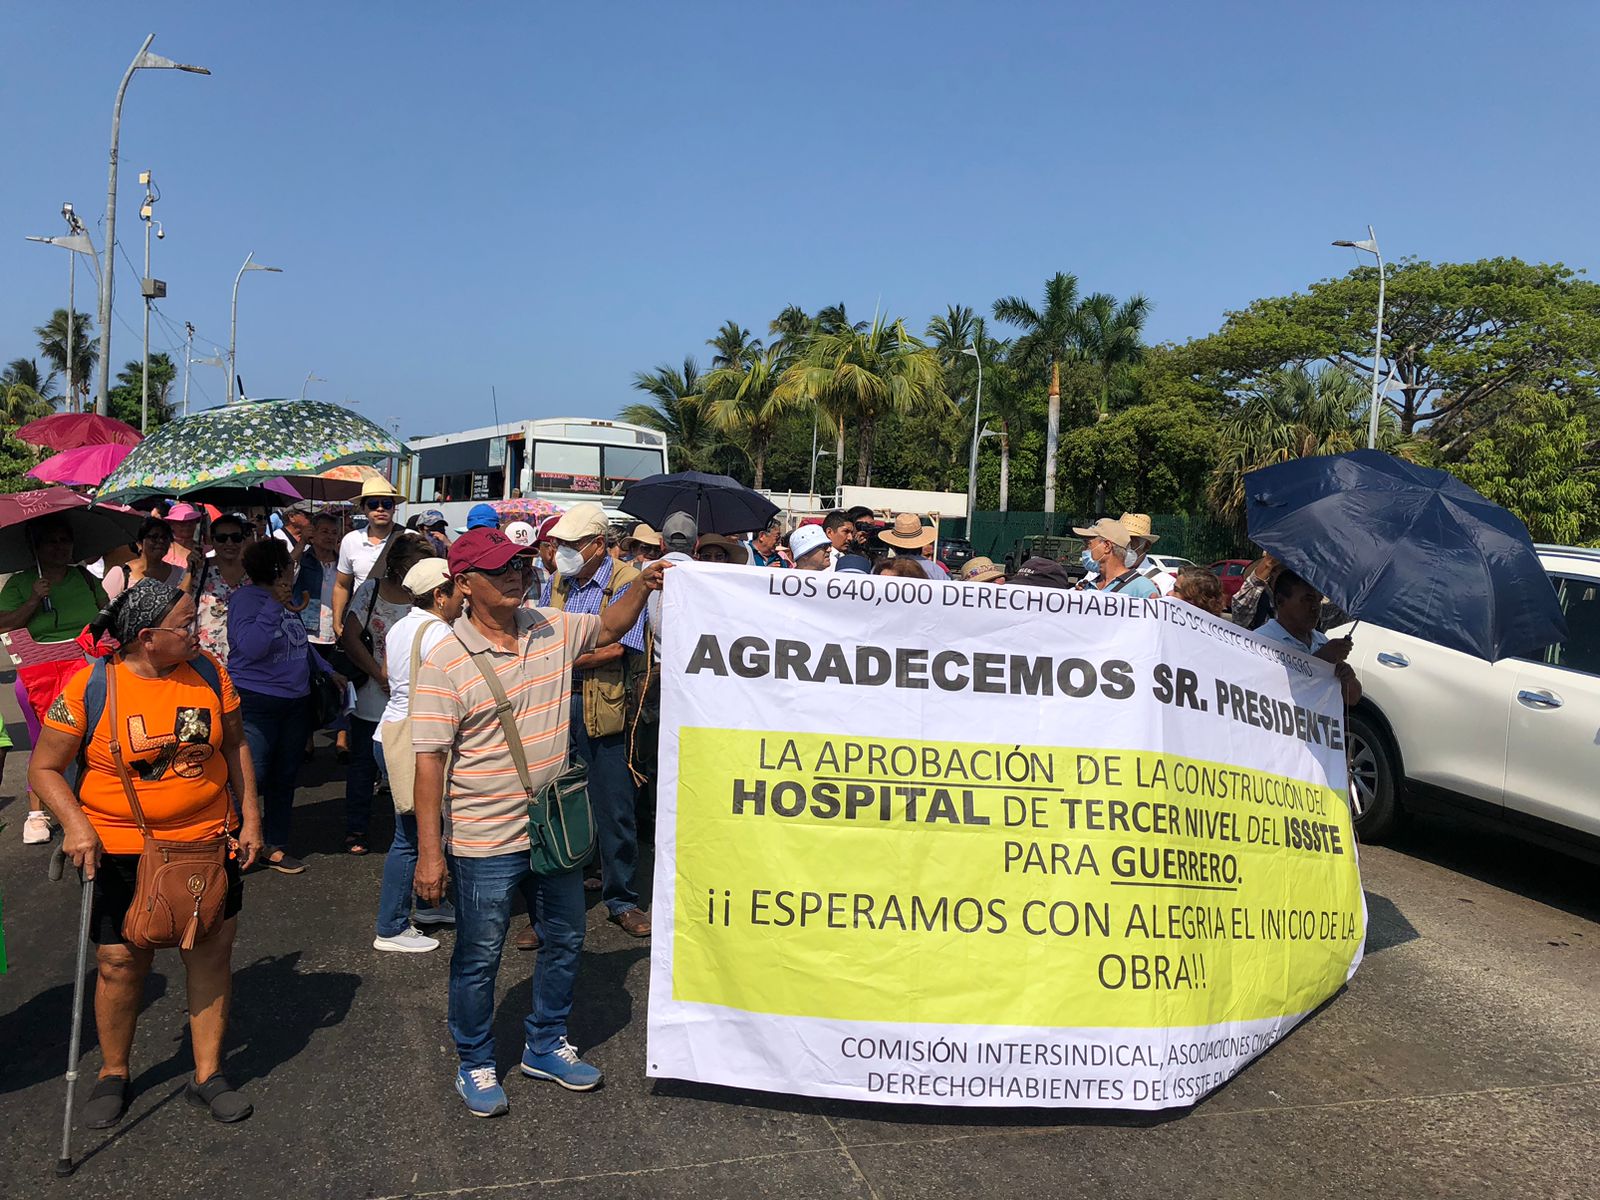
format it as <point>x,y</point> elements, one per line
<point>481,550</point>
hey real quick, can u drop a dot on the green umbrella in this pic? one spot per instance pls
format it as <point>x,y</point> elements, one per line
<point>246,443</point>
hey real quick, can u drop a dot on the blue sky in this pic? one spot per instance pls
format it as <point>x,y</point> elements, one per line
<point>546,198</point>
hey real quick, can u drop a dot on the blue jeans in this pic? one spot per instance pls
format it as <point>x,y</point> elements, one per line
<point>275,730</point>
<point>484,888</point>
<point>361,776</point>
<point>611,795</point>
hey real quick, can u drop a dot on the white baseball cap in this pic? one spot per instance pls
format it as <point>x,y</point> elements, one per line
<point>806,539</point>
<point>521,533</point>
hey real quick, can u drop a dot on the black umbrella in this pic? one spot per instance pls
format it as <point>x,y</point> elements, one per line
<point>1409,548</point>
<point>719,503</point>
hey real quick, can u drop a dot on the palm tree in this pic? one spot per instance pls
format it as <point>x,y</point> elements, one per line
<point>792,325</point>
<point>864,375</point>
<point>676,411</point>
<point>1048,338</point>
<point>833,319</point>
<point>25,394</point>
<point>1110,336</point>
<point>1294,414</point>
<point>733,346</point>
<point>744,402</point>
<point>52,337</point>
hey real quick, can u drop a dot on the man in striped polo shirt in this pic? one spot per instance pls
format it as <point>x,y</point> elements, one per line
<point>467,776</point>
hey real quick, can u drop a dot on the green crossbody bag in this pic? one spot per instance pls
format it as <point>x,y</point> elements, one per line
<point>560,819</point>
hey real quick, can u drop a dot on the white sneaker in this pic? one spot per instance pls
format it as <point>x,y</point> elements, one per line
<point>36,829</point>
<point>409,940</point>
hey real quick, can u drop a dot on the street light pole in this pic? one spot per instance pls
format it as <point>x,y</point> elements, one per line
<point>1370,245</point>
<point>143,60</point>
<point>310,375</point>
<point>977,424</point>
<point>233,325</point>
<point>188,362</point>
<point>148,289</point>
<point>76,242</point>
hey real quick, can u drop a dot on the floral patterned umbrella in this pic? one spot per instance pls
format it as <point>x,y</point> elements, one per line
<point>246,443</point>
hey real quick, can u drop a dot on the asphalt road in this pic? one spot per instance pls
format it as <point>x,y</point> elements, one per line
<point>1460,1062</point>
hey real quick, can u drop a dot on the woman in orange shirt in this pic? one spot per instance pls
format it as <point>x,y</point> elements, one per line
<point>184,742</point>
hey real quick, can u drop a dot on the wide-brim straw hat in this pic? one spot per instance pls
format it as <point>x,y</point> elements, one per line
<point>979,570</point>
<point>1138,525</point>
<point>908,533</point>
<point>737,554</point>
<point>378,487</point>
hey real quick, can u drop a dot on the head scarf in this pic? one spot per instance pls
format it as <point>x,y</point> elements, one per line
<point>143,606</point>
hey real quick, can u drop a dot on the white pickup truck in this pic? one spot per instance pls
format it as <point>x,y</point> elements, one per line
<point>1515,742</point>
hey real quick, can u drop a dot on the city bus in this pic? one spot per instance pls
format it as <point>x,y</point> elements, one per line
<point>561,459</point>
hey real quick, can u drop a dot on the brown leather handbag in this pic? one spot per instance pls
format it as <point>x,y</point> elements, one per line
<point>181,888</point>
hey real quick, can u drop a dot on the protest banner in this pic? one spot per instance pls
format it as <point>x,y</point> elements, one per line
<point>950,843</point>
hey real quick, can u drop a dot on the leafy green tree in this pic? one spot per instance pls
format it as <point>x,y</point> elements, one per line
<point>1048,339</point>
<point>1457,339</point>
<point>1536,460</point>
<point>864,375</point>
<point>1294,413</point>
<point>26,393</point>
<point>1110,335</point>
<point>126,402</point>
<point>676,410</point>
<point>1154,458</point>
<point>85,352</point>
<point>744,403</point>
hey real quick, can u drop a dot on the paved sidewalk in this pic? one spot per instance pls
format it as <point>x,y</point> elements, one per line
<point>1461,1062</point>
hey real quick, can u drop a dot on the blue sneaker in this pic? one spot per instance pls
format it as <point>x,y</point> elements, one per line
<point>562,1066</point>
<point>480,1088</point>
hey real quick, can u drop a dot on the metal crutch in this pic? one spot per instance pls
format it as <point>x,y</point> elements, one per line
<point>58,864</point>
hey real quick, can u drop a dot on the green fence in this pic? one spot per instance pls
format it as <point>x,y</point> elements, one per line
<point>1200,538</point>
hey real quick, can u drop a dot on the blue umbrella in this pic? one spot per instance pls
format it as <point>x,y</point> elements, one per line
<point>1409,548</point>
<point>719,503</point>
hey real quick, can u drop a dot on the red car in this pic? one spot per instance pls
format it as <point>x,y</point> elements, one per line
<point>1231,572</point>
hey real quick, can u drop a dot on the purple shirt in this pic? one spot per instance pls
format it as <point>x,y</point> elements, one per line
<point>268,652</point>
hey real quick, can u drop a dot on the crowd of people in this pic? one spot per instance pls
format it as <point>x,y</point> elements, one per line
<point>466,677</point>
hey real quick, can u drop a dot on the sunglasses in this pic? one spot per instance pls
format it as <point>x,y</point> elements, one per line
<point>384,504</point>
<point>515,566</point>
<point>227,537</point>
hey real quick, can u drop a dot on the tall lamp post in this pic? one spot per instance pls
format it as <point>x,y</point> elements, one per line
<point>233,326</point>
<point>1370,245</point>
<point>151,289</point>
<point>977,424</point>
<point>142,61</point>
<point>77,242</point>
<point>309,378</point>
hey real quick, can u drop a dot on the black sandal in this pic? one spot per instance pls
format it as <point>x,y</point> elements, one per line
<point>216,1096</point>
<point>108,1103</point>
<point>355,844</point>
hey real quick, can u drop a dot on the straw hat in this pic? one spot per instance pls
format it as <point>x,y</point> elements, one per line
<point>979,570</point>
<point>1138,525</point>
<point>644,535</point>
<point>908,533</point>
<point>737,554</point>
<point>379,487</point>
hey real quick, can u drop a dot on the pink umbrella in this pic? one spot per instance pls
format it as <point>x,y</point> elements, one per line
<point>69,431</point>
<point>85,466</point>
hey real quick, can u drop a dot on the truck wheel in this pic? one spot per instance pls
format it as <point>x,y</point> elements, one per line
<point>1374,780</point>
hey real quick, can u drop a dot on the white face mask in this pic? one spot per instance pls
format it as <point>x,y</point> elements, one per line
<point>569,560</point>
<point>1131,557</point>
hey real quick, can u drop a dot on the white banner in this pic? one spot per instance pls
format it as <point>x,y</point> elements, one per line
<point>951,843</point>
